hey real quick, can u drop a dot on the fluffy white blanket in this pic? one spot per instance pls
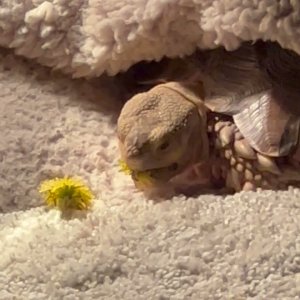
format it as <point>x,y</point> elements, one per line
<point>89,37</point>
<point>245,246</point>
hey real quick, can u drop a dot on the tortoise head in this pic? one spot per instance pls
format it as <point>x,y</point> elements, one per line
<point>162,132</point>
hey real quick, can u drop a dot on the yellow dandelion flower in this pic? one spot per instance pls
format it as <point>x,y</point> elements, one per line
<point>66,193</point>
<point>124,168</point>
<point>141,179</point>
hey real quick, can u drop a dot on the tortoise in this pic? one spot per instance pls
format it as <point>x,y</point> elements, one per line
<point>216,121</point>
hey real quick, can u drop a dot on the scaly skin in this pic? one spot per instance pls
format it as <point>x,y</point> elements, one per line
<point>160,131</point>
<point>243,168</point>
<point>155,131</point>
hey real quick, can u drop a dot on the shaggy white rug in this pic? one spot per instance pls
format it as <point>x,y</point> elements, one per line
<point>245,246</point>
<point>89,37</point>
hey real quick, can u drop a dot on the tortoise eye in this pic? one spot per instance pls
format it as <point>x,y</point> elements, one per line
<point>173,167</point>
<point>164,146</point>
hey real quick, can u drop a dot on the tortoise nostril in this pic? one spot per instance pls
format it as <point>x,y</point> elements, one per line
<point>132,152</point>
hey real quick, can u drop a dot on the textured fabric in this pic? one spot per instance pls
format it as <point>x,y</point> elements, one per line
<point>89,37</point>
<point>245,246</point>
<point>208,247</point>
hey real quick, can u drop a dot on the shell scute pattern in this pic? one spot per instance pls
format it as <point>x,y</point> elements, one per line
<point>247,169</point>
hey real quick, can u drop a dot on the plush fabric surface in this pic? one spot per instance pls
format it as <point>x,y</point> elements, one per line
<point>245,246</point>
<point>88,37</point>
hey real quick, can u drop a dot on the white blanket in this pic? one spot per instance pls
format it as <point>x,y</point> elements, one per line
<point>245,246</point>
<point>89,37</point>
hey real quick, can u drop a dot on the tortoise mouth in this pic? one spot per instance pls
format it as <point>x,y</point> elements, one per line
<point>164,174</point>
<point>158,174</point>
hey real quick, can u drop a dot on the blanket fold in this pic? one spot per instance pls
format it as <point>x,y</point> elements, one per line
<point>86,38</point>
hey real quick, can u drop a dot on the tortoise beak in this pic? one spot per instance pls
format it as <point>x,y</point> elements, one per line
<point>143,181</point>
